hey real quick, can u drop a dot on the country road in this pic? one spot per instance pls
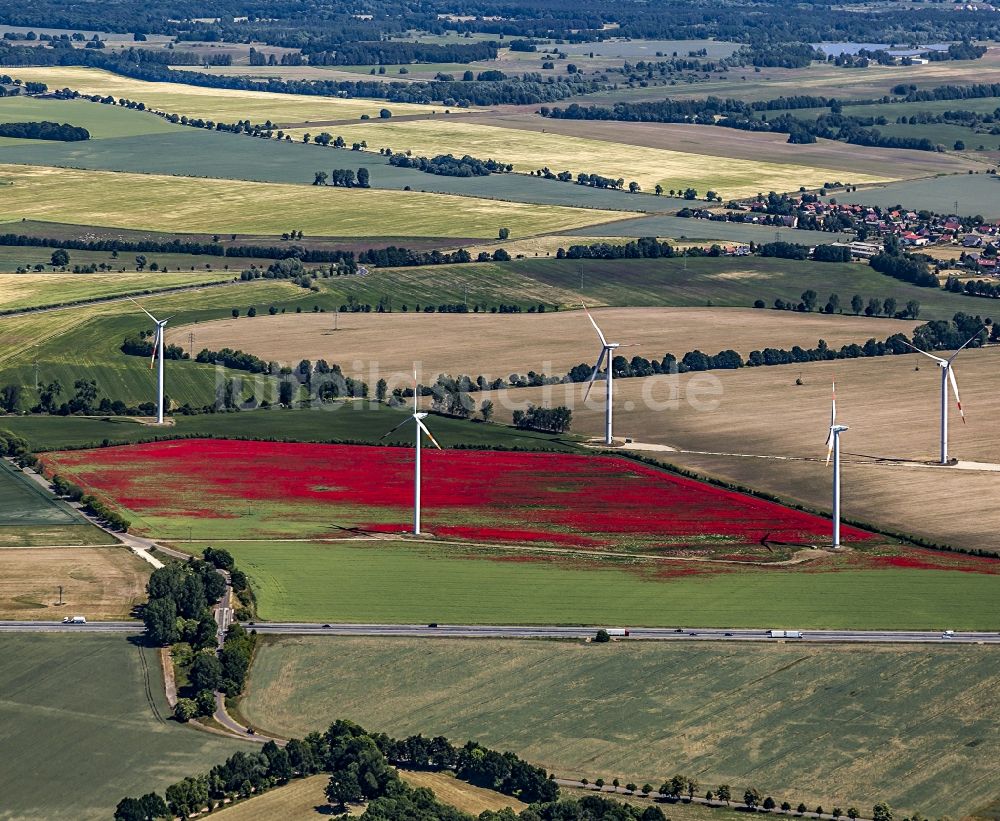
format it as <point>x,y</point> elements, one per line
<point>488,631</point>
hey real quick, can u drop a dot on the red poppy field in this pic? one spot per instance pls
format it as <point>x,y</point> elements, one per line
<point>243,489</point>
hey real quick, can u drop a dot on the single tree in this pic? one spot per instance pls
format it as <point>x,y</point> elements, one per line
<point>486,410</point>
<point>857,303</point>
<point>881,812</point>
<point>724,793</point>
<point>60,257</point>
<point>752,798</point>
<point>185,710</point>
<point>504,233</point>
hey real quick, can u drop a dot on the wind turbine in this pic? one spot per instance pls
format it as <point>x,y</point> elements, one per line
<point>158,358</point>
<point>607,352</point>
<point>947,375</point>
<point>419,427</point>
<point>833,448</point>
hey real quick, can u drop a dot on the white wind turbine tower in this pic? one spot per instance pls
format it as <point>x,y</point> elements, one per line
<point>833,448</point>
<point>158,358</point>
<point>419,427</point>
<point>607,352</point>
<point>947,375</point>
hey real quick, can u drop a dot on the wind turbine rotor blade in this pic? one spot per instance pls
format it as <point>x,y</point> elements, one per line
<point>147,313</point>
<point>833,406</point>
<point>156,345</point>
<point>929,355</point>
<point>390,433</point>
<point>593,375</point>
<point>967,342</point>
<point>592,322</point>
<point>415,387</point>
<point>829,447</point>
<point>430,436</point>
<point>954,388</point>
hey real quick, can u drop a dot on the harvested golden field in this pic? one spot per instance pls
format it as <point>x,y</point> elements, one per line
<point>459,794</point>
<point>495,345</point>
<point>754,146</point>
<point>528,151</point>
<point>226,105</point>
<point>187,204</point>
<point>304,799</point>
<point>98,582</point>
<point>893,411</point>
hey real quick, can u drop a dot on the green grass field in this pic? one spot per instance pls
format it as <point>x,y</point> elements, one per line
<point>840,726</point>
<point>678,282</point>
<point>400,582</point>
<point>37,290</point>
<point>83,725</point>
<point>974,193</point>
<point>102,121</point>
<point>361,422</point>
<point>30,517</point>
<point>187,204</point>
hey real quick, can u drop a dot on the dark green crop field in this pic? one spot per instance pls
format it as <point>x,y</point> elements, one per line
<point>83,723</point>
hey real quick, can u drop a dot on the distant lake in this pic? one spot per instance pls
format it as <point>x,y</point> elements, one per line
<point>836,49</point>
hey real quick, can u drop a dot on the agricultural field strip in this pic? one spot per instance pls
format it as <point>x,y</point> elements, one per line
<point>224,105</point>
<point>34,293</point>
<point>494,346</point>
<point>753,146</point>
<point>840,724</point>
<point>191,205</point>
<point>529,151</point>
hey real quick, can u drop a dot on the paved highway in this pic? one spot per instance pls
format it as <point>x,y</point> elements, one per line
<point>641,633</point>
<point>485,631</point>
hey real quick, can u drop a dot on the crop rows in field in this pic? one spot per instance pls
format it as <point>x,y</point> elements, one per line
<point>836,726</point>
<point>87,713</point>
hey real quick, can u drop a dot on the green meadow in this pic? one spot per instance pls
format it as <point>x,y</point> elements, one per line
<point>420,583</point>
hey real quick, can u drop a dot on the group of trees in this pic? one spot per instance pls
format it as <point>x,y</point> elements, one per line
<point>361,768</point>
<point>85,400</point>
<point>809,301</point>
<point>546,420</point>
<point>644,248</point>
<point>179,612</point>
<point>45,131</point>
<point>142,345</point>
<point>344,178</point>
<point>447,165</point>
<point>936,335</point>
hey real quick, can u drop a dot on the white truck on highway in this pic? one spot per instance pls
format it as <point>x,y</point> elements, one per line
<point>75,620</point>
<point>784,634</point>
<point>616,631</point>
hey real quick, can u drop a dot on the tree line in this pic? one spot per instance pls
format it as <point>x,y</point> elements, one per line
<point>91,504</point>
<point>45,130</point>
<point>152,66</point>
<point>447,165</point>
<point>361,769</point>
